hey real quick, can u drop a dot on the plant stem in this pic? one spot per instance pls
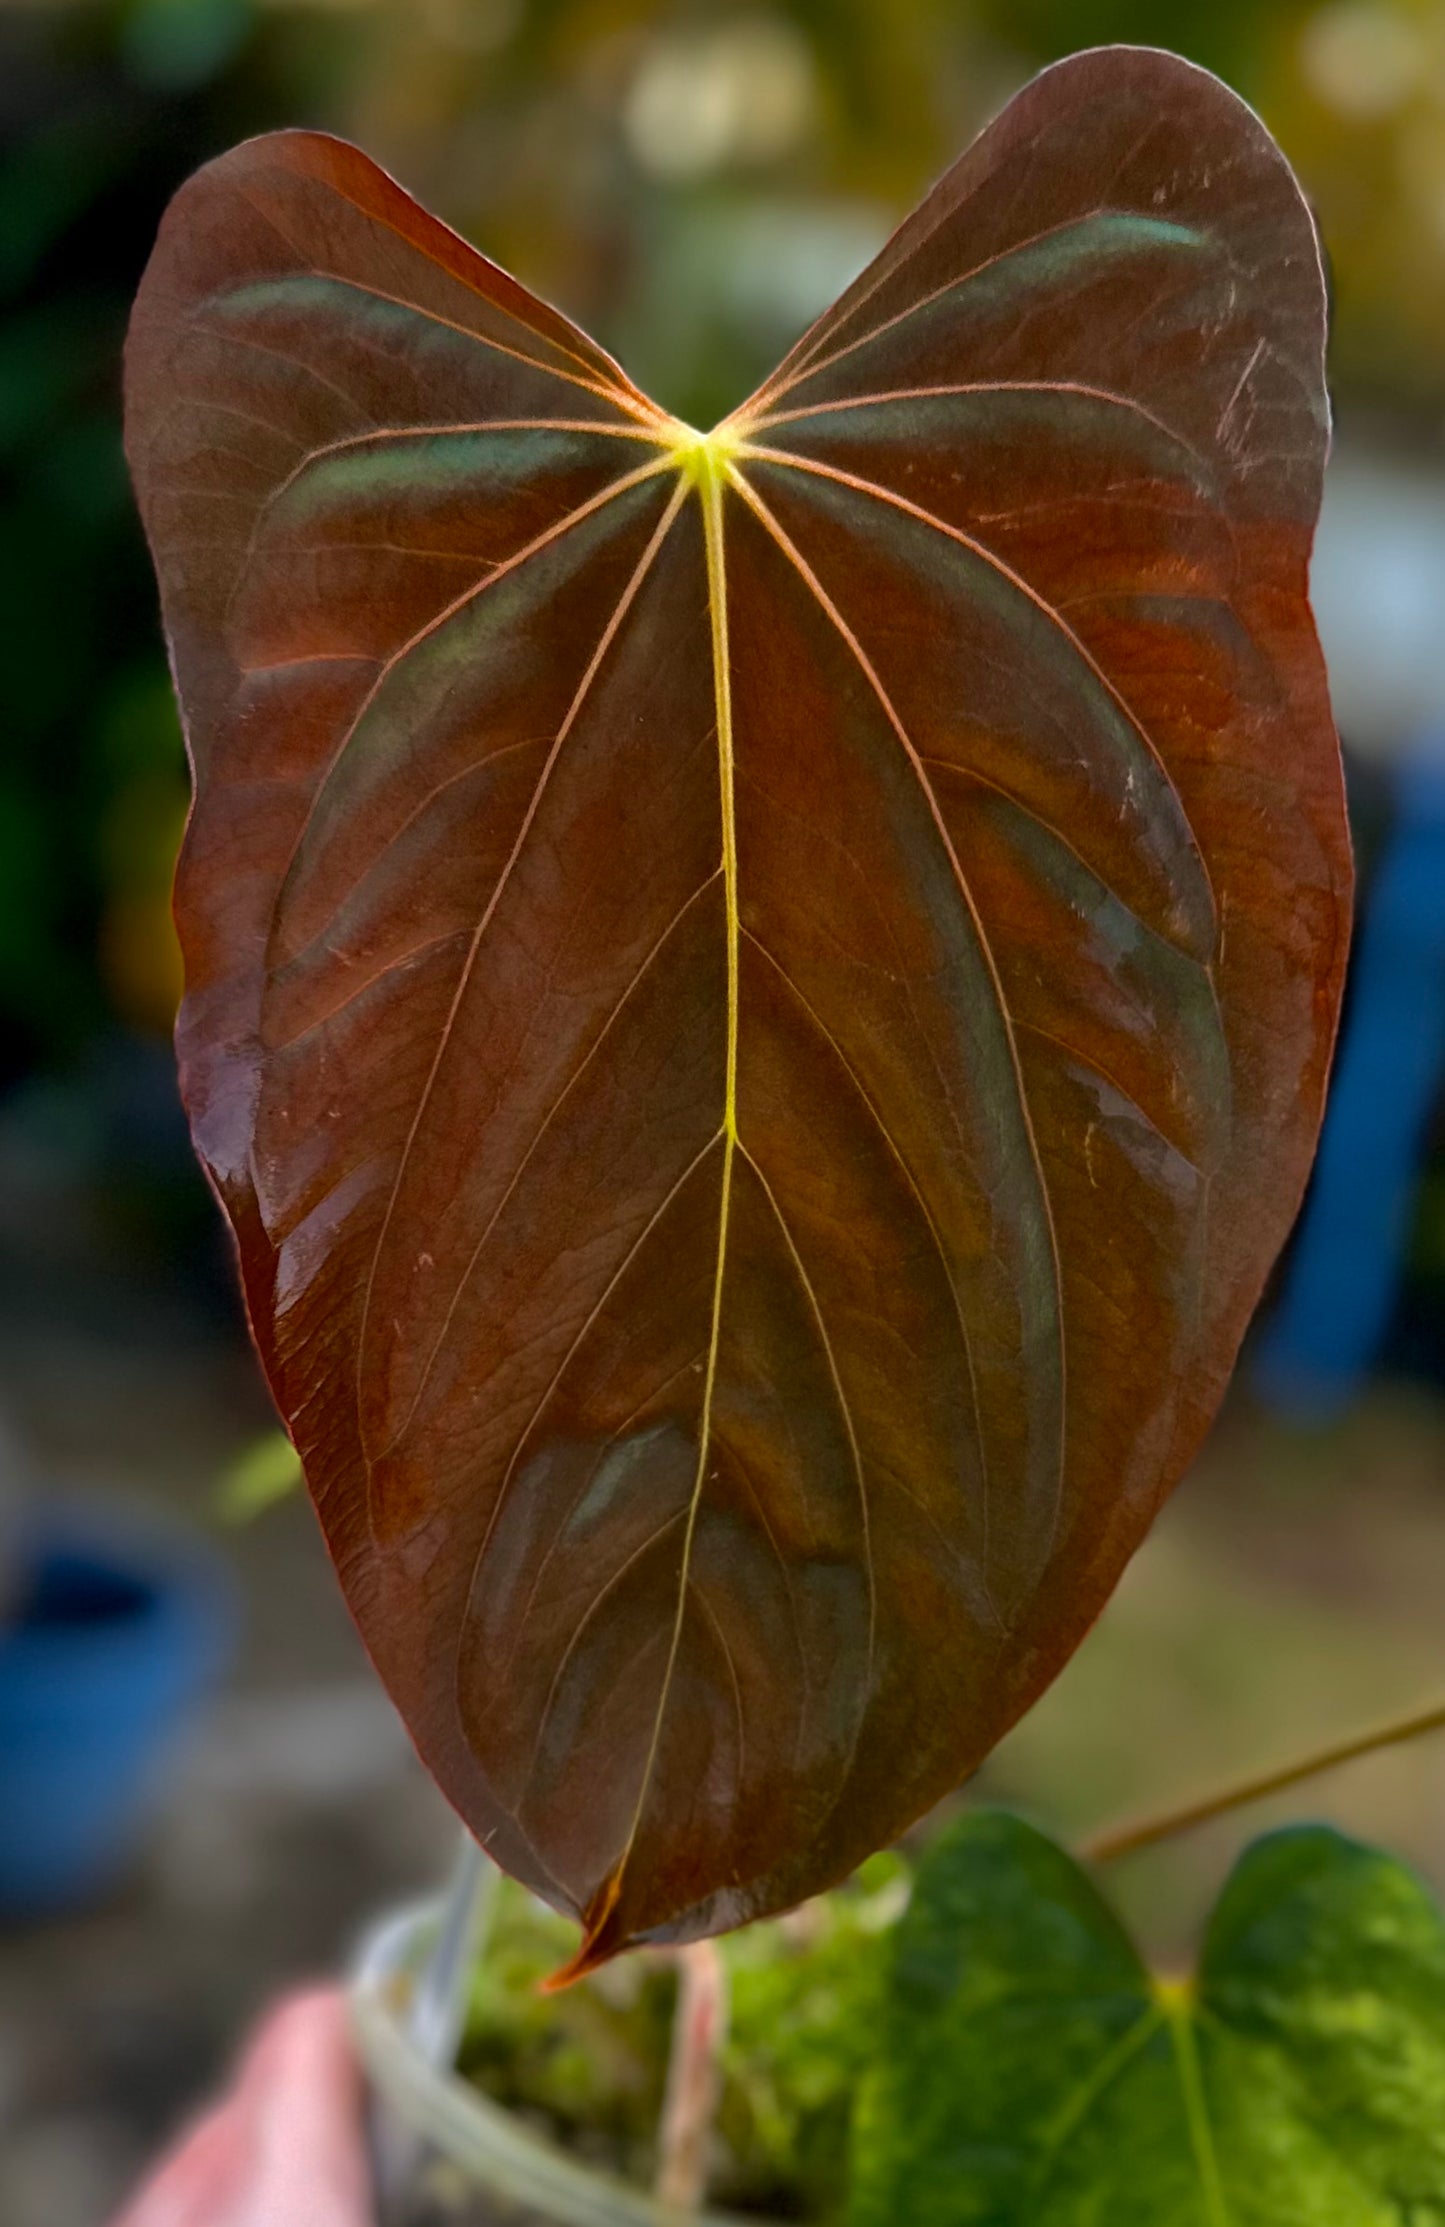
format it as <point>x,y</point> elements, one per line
<point>694,2076</point>
<point>1123,1840</point>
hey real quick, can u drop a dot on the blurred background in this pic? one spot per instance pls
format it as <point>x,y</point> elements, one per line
<point>693,182</point>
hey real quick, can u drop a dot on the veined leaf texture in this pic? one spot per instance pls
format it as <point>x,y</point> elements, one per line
<point>1029,2071</point>
<point>758,1003</point>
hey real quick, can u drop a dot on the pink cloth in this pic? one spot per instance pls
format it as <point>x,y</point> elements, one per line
<point>284,2148</point>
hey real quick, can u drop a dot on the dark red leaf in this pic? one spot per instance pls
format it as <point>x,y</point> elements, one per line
<point>759,1006</point>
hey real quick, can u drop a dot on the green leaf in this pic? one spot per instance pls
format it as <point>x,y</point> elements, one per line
<point>1033,2071</point>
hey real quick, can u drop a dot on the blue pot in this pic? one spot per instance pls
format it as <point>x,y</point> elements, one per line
<point>119,1629</point>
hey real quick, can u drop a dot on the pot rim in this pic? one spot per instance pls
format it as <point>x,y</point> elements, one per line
<point>489,2144</point>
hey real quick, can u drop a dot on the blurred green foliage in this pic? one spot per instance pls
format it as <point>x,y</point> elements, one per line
<point>692,178</point>
<point>589,2065</point>
<point>263,1473</point>
<point>982,2042</point>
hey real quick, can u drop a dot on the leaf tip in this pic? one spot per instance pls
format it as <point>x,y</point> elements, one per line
<point>602,1938</point>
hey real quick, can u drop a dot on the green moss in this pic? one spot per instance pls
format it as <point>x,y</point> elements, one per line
<point>588,2066</point>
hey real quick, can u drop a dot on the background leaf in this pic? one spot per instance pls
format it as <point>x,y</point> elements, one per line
<point>1032,2071</point>
<point>759,1007</point>
<point>267,1471</point>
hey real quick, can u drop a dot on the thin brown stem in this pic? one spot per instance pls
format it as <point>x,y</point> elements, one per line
<point>694,2077</point>
<point>1123,1840</point>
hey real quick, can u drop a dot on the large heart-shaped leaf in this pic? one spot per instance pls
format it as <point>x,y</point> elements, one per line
<point>758,1004</point>
<point>1031,2073</point>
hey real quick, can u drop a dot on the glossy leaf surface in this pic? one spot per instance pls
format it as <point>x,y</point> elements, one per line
<point>1032,2074</point>
<point>759,1005</point>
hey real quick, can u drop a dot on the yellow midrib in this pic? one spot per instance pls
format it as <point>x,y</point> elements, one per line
<point>704,460</point>
<point>709,467</point>
<point>1175,1999</point>
<point>711,490</point>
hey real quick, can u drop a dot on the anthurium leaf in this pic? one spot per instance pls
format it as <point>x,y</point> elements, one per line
<point>759,1004</point>
<point>1031,2073</point>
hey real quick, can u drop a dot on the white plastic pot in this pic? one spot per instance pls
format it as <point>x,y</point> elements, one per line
<point>452,2157</point>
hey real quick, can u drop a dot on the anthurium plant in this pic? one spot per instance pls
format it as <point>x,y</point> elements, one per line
<point>759,1003</point>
